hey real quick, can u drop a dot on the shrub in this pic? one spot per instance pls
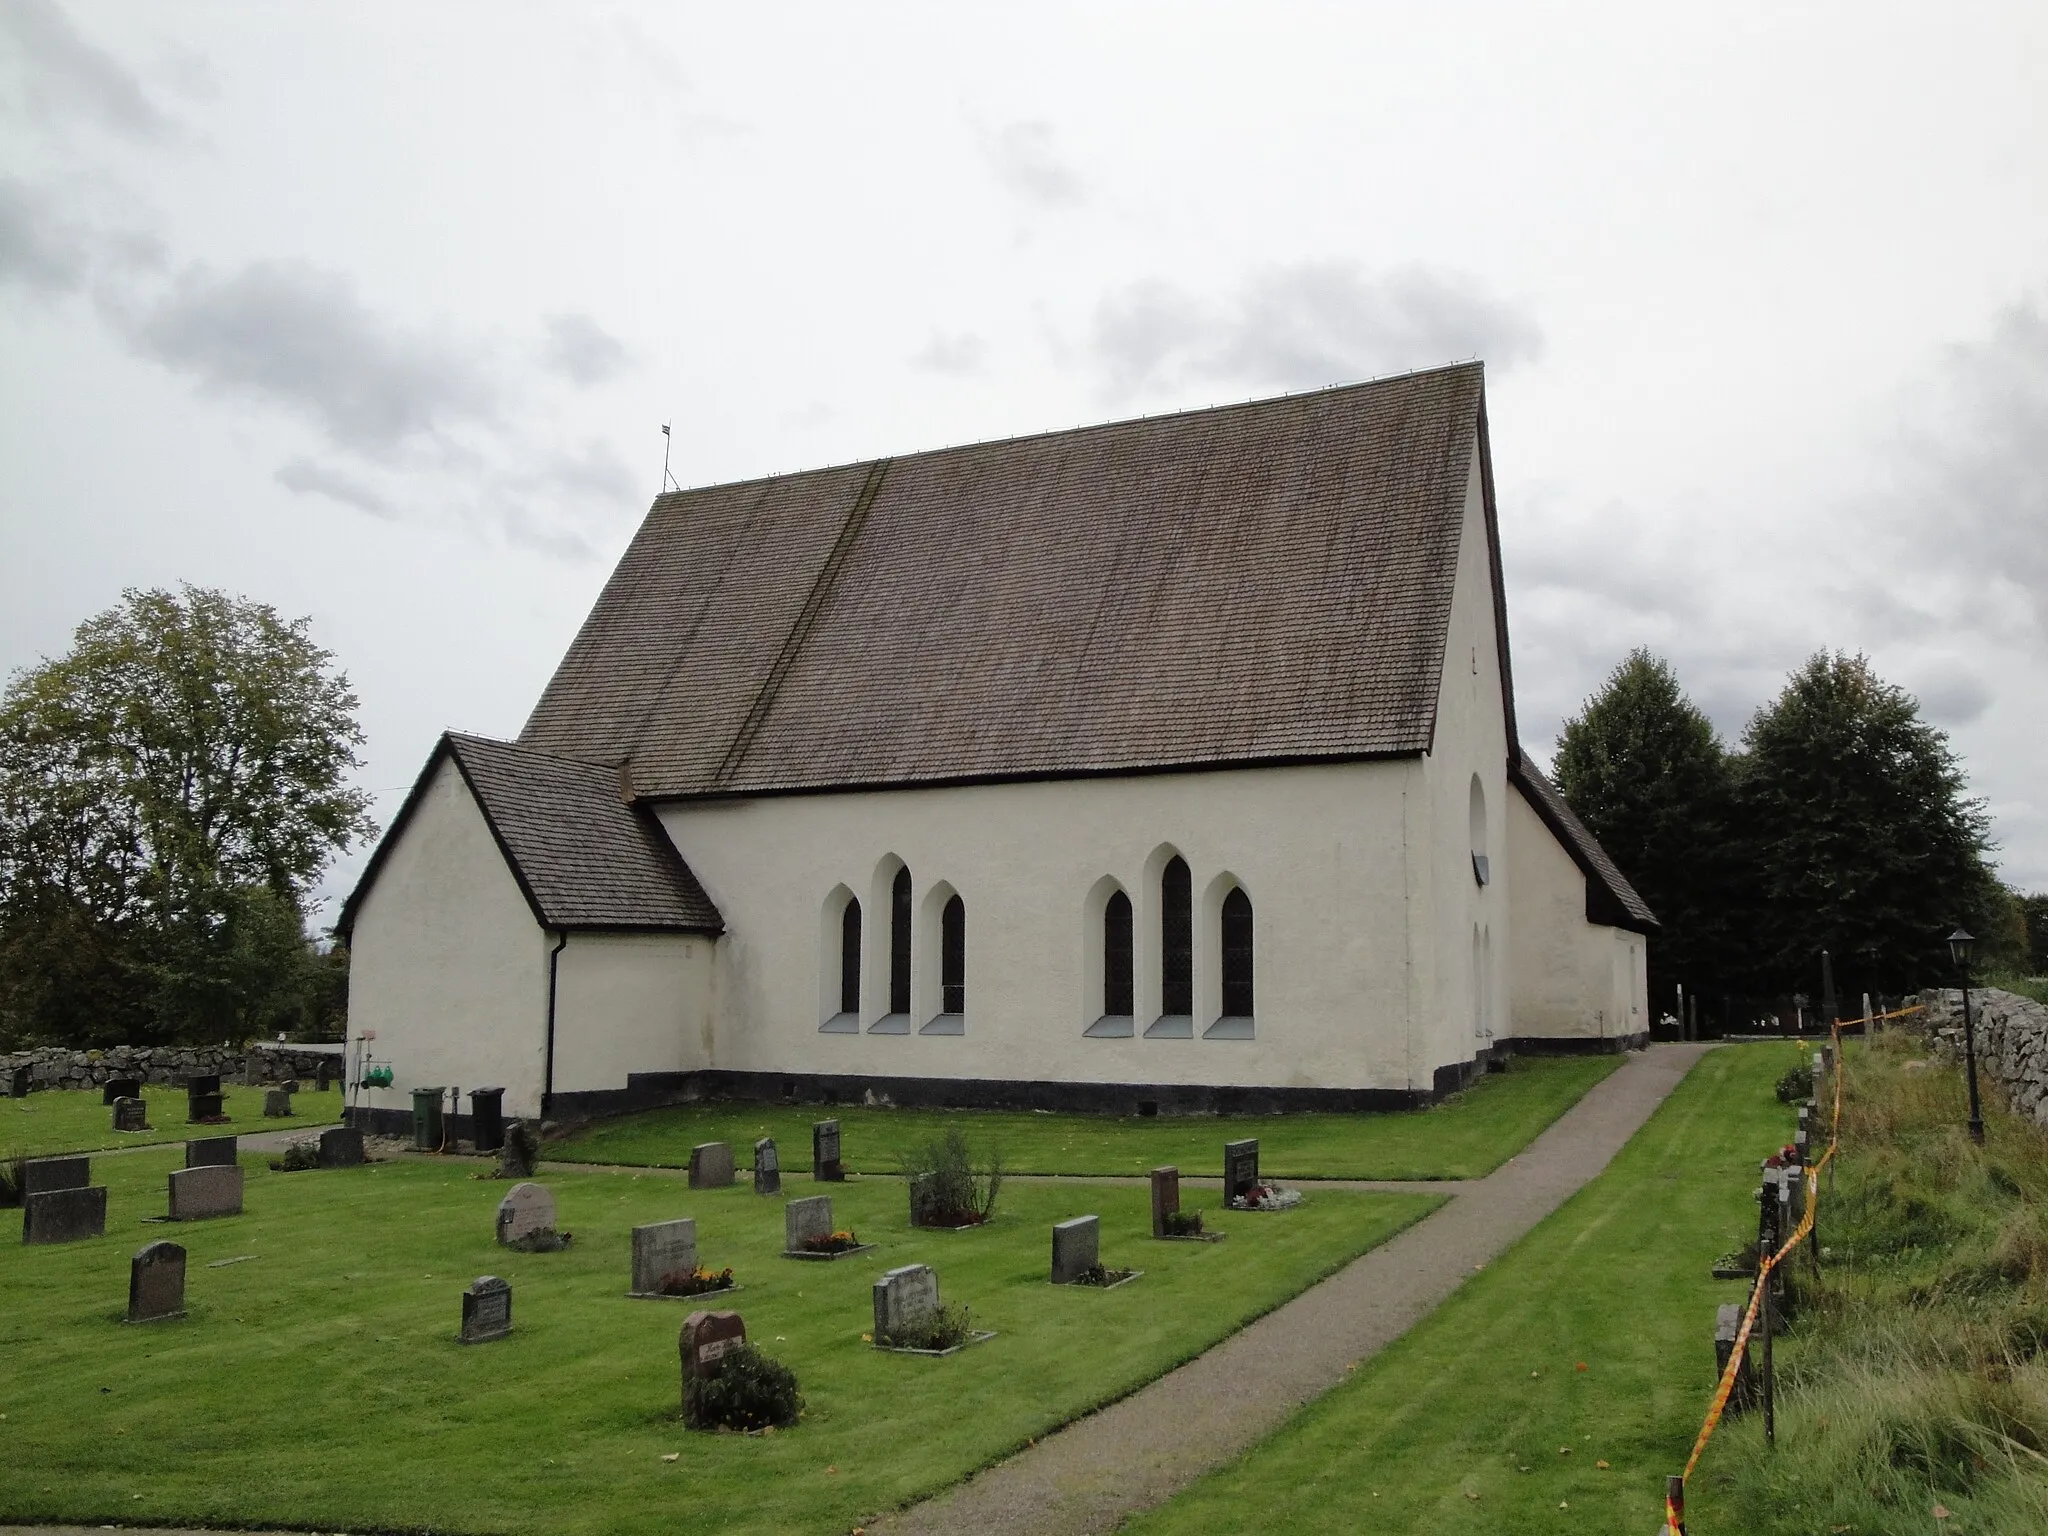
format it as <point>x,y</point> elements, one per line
<point>1183,1223</point>
<point>1098,1274</point>
<point>942,1328</point>
<point>749,1391</point>
<point>1796,1084</point>
<point>10,1181</point>
<point>298,1157</point>
<point>947,1188</point>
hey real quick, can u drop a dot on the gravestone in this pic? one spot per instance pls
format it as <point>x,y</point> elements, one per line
<point>328,1071</point>
<point>904,1296</point>
<point>341,1146</point>
<point>131,1115</point>
<point>825,1162</point>
<point>64,1215</point>
<point>923,1198</point>
<point>121,1088</point>
<point>1165,1198</point>
<point>520,1155</point>
<point>210,1152</point>
<point>661,1249</point>
<point>1240,1169</point>
<point>290,1085</point>
<point>17,1083</point>
<point>767,1167</point>
<point>486,1310</point>
<point>1076,1248</point>
<point>1727,1324</point>
<point>204,1102</point>
<point>527,1212</point>
<point>706,1339</point>
<point>805,1219</point>
<point>711,1165</point>
<point>198,1194</point>
<point>40,1175</point>
<point>277,1104</point>
<point>156,1283</point>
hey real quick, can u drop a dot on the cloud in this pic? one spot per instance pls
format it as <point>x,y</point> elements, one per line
<point>593,472</point>
<point>1027,162</point>
<point>38,247</point>
<point>309,479</point>
<point>65,76</point>
<point>295,336</point>
<point>582,351</point>
<point>955,352</point>
<point>1303,326</point>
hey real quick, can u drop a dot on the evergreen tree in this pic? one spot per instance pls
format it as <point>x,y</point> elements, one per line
<point>1646,773</point>
<point>1860,837</point>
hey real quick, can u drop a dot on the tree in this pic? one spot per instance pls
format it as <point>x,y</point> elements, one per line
<point>169,792</point>
<point>1646,773</point>
<point>2035,909</point>
<point>1860,837</point>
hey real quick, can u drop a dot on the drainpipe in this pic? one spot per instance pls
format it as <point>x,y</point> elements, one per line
<point>547,1088</point>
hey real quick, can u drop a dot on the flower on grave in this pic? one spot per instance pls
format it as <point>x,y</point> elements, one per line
<point>695,1282</point>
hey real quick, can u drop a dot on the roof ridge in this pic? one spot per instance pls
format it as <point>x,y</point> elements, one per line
<point>1081,429</point>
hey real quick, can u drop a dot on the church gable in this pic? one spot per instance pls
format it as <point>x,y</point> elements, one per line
<point>1258,583</point>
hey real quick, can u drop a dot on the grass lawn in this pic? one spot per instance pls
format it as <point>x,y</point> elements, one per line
<point>319,1384</point>
<point>1461,1425</point>
<point>1465,1137</point>
<point>74,1120</point>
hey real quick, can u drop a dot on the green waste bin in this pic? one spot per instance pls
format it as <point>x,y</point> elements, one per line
<point>426,1119</point>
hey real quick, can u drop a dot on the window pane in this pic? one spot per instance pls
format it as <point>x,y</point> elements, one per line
<point>1116,956</point>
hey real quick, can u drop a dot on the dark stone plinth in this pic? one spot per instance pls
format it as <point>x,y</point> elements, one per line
<point>210,1152</point>
<point>120,1088</point>
<point>41,1175</point>
<point>1240,1169</point>
<point>131,1115</point>
<point>825,1162</point>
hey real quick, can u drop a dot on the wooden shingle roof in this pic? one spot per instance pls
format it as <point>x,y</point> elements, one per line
<point>1255,583</point>
<point>583,857</point>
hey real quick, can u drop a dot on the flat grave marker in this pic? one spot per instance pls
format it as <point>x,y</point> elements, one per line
<point>711,1165</point>
<point>156,1283</point>
<point>486,1310</point>
<point>198,1194</point>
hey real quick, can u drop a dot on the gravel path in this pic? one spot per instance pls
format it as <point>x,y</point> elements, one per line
<point>1142,1450</point>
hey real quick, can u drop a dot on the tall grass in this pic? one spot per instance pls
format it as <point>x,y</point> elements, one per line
<point>1915,1371</point>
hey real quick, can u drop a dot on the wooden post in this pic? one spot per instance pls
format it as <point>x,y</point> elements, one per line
<point>1770,1397</point>
<point>1674,1505</point>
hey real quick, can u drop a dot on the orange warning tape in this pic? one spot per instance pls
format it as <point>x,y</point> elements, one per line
<point>1766,1263</point>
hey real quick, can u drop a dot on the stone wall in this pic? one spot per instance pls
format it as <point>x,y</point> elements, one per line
<point>55,1067</point>
<point>2012,1042</point>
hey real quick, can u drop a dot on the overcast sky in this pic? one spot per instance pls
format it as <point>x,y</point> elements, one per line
<point>374,312</point>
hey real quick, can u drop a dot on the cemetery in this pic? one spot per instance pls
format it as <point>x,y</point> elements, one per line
<point>387,1284</point>
<point>83,1119</point>
<point>1465,1137</point>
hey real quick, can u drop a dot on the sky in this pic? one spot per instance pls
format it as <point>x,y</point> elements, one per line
<point>375,312</point>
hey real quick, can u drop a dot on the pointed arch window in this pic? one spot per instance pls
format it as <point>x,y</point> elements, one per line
<point>1176,954</point>
<point>849,957</point>
<point>899,943</point>
<point>1118,972</point>
<point>953,957</point>
<point>1237,955</point>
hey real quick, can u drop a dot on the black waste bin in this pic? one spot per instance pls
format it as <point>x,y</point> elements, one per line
<point>487,1118</point>
<point>426,1119</point>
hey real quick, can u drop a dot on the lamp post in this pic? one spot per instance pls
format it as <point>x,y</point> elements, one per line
<point>1959,944</point>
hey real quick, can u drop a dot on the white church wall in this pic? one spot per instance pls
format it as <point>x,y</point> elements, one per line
<point>1319,849</point>
<point>631,1002</point>
<point>1471,924</point>
<point>446,962</point>
<point>1571,979</point>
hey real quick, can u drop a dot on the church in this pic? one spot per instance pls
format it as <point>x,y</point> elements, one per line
<point>1166,766</point>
